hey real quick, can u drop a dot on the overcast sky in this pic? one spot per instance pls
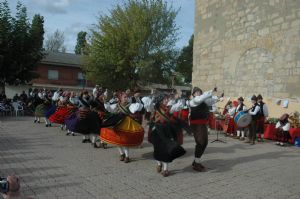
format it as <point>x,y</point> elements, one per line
<point>73,16</point>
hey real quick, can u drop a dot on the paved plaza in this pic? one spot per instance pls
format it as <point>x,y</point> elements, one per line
<point>53,165</point>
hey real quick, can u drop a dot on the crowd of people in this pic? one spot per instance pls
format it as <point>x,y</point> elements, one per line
<point>259,114</point>
<point>116,118</point>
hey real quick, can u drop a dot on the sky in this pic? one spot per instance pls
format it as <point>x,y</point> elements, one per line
<point>73,16</point>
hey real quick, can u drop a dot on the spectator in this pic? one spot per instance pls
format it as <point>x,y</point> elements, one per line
<point>283,127</point>
<point>23,97</point>
<point>2,96</point>
<point>16,98</point>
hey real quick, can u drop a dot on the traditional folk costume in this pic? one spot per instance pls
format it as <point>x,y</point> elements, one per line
<point>97,106</point>
<point>283,127</point>
<point>240,133</point>
<point>71,121</point>
<point>88,121</point>
<point>263,113</point>
<point>39,108</point>
<point>124,131</point>
<point>199,112</point>
<point>254,112</point>
<point>164,134</point>
<point>63,111</point>
<point>229,120</point>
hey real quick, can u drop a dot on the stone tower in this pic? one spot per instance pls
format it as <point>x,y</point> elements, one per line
<point>248,47</point>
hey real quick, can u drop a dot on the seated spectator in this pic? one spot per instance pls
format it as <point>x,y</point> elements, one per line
<point>23,97</point>
<point>2,96</point>
<point>14,190</point>
<point>16,98</point>
<point>283,127</point>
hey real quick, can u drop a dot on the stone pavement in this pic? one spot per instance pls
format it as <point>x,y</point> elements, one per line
<point>52,165</point>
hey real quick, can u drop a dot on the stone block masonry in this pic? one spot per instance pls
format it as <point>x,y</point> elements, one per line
<point>248,47</point>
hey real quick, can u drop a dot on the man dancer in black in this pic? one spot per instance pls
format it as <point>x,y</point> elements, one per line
<point>199,111</point>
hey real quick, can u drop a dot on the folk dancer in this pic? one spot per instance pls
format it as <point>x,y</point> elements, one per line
<point>199,112</point>
<point>163,134</point>
<point>125,131</point>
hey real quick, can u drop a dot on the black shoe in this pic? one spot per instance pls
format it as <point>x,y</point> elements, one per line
<point>35,121</point>
<point>38,122</point>
<point>104,145</point>
<point>47,125</point>
<point>86,141</point>
<point>50,124</point>
<point>68,133</point>
<point>73,134</point>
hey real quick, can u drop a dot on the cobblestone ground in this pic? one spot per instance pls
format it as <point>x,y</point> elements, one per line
<point>53,165</point>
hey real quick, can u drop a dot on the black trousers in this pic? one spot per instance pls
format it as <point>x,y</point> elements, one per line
<point>252,130</point>
<point>201,138</point>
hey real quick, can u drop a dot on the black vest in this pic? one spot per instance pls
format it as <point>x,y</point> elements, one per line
<point>255,117</point>
<point>200,112</point>
<point>241,107</point>
<point>261,111</point>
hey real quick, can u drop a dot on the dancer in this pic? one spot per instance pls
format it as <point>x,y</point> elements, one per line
<point>199,111</point>
<point>164,135</point>
<point>125,131</point>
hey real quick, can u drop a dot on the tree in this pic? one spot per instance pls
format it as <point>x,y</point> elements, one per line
<point>20,44</point>
<point>81,43</point>
<point>55,42</point>
<point>134,43</point>
<point>184,64</point>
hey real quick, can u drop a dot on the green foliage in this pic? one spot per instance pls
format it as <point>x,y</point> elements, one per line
<point>135,43</point>
<point>81,43</point>
<point>184,63</point>
<point>20,44</point>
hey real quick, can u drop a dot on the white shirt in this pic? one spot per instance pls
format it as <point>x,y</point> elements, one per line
<point>265,110</point>
<point>133,108</point>
<point>178,106</point>
<point>199,99</point>
<point>55,96</point>
<point>148,104</point>
<point>256,110</point>
<point>286,127</point>
<point>231,111</point>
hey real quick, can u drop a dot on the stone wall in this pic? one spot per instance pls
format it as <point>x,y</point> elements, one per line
<point>248,47</point>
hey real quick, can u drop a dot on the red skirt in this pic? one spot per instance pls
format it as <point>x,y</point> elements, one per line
<point>229,126</point>
<point>61,114</point>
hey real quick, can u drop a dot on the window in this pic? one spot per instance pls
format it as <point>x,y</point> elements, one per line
<point>80,76</point>
<point>53,74</point>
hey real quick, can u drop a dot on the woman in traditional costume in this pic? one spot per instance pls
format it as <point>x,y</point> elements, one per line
<point>88,122</point>
<point>164,132</point>
<point>124,131</point>
<point>63,111</point>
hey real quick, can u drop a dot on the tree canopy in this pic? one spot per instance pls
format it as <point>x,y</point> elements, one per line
<point>81,43</point>
<point>134,43</point>
<point>55,42</point>
<point>20,44</point>
<point>184,64</point>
